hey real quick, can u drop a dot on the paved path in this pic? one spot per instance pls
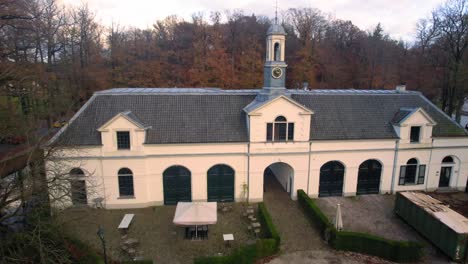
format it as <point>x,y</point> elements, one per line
<point>295,230</point>
<point>300,241</point>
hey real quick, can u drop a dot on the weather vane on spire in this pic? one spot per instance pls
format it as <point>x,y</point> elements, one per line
<point>276,12</point>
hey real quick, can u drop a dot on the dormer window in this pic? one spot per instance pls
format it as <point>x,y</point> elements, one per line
<point>415,134</point>
<point>280,130</point>
<point>123,140</point>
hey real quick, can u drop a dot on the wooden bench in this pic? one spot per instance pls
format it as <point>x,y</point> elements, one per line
<point>126,221</point>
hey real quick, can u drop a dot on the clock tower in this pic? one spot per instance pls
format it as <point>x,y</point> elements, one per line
<point>274,71</point>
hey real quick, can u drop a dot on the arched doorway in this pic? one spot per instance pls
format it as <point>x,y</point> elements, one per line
<point>220,183</point>
<point>369,175</point>
<point>177,185</point>
<point>446,171</point>
<point>281,173</point>
<point>331,179</point>
<point>78,187</point>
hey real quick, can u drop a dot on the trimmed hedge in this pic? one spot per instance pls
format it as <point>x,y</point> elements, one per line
<point>268,228</point>
<point>399,251</point>
<point>267,246</point>
<point>138,262</point>
<point>314,214</point>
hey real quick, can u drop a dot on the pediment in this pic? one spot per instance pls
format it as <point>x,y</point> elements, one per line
<point>123,120</point>
<point>413,116</point>
<point>256,107</point>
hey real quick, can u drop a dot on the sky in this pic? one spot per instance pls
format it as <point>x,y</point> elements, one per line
<point>398,17</point>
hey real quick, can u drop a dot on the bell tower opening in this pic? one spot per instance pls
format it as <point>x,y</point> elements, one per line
<point>277,52</point>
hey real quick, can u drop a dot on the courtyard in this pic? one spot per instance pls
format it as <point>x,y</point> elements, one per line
<point>158,238</point>
<point>374,214</point>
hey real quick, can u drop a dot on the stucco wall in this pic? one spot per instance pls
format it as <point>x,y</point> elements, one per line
<point>249,160</point>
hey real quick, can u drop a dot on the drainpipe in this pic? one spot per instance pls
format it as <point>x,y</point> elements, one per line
<point>308,175</point>
<point>429,165</point>
<point>395,158</point>
<point>248,159</point>
<point>248,171</point>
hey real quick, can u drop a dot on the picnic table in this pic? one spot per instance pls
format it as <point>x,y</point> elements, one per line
<point>126,221</point>
<point>228,238</point>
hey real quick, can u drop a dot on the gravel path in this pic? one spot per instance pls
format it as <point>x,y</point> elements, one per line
<point>295,230</point>
<point>300,241</point>
<point>374,214</point>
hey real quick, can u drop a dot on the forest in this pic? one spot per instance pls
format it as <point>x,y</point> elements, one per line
<point>53,57</point>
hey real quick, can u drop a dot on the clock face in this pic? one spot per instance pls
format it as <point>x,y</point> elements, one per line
<point>276,72</point>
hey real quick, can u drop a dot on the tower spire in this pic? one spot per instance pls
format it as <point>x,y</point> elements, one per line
<point>276,12</point>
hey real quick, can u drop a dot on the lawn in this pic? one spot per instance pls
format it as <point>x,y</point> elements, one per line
<point>159,239</point>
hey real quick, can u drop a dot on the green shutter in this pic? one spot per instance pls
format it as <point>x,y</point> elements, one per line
<point>269,131</point>
<point>402,175</point>
<point>422,173</point>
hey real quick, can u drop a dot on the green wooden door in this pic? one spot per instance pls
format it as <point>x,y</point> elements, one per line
<point>221,184</point>
<point>177,185</point>
<point>369,177</point>
<point>331,179</point>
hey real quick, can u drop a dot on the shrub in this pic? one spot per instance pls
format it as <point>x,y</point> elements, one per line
<point>268,228</point>
<point>267,246</point>
<point>138,262</point>
<point>82,253</point>
<point>314,214</point>
<point>399,251</point>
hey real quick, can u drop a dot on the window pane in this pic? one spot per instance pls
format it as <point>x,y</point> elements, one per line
<point>280,131</point>
<point>402,175</point>
<point>269,131</point>
<point>280,119</point>
<point>415,131</point>
<point>126,185</point>
<point>422,173</point>
<point>123,140</point>
<point>410,176</point>
<point>290,131</point>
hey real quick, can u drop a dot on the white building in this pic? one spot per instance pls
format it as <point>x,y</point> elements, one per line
<point>153,146</point>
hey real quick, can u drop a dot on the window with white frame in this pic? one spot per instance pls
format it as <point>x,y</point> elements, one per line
<point>412,173</point>
<point>415,134</point>
<point>125,177</point>
<point>280,130</point>
<point>123,140</point>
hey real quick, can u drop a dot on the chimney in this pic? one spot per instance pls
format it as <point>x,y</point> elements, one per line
<point>305,86</point>
<point>400,88</point>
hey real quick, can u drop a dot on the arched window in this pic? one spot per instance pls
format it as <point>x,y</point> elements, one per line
<point>447,159</point>
<point>125,182</point>
<point>277,52</point>
<point>412,173</point>
<point>280,130</point>
<point>76,172</point>
<point>78,187</point>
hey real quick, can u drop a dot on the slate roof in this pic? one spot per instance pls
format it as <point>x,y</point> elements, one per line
<point>210,115</point>
<point>369,115</point>
<point>401,114</point>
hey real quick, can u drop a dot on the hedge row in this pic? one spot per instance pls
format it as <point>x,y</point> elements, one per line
<point>267,246</point>
<point>398,251</point>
